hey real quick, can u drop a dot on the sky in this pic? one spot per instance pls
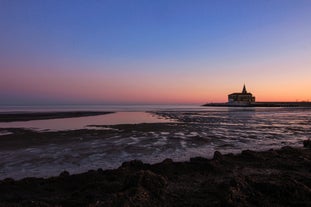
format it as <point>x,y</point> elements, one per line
<point>153,52</point>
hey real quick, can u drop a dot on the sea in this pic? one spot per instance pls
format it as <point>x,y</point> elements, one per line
<point>150,133</point>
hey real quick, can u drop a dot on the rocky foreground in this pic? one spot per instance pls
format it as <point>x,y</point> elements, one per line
<point>271,178</point>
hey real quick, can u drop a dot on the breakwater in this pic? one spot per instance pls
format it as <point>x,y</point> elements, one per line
<point>263,104</point>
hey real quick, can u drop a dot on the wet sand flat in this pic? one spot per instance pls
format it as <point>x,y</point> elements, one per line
<point>11,117</point>
<point>42,153</point>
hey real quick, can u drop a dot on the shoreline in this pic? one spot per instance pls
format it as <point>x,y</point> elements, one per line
<point>268,178</point>
<point>29,116</point>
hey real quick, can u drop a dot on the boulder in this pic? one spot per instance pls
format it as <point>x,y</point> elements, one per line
<point>217,156</point>
<point>307,143</point>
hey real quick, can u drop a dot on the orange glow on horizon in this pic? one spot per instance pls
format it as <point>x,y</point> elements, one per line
<point>173,86</point>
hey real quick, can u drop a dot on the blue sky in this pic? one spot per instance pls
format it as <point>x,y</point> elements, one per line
<point>164,45</point>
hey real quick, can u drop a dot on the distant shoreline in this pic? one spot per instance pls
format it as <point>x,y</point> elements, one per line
<point>262,104</point>
<point>28,116</point>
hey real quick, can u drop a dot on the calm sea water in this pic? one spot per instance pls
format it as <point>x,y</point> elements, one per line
<point>115,108</point>
<point>182,132</point>
<point>87,122</point>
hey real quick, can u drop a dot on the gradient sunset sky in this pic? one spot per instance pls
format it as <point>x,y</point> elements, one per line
<point>153,52</point>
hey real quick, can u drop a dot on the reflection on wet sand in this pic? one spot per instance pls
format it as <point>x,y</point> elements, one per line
<point>183,134</point>
<point>83,122</point>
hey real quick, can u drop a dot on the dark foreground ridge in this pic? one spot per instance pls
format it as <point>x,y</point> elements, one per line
<point>271,178</point>
<point>10,117</point>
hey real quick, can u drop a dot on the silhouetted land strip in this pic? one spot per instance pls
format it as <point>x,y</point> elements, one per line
<point>10,117</point>
<point>264,104</point>
<point>270,178</point>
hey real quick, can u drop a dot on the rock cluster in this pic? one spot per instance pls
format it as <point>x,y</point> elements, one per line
<point>271,178</point>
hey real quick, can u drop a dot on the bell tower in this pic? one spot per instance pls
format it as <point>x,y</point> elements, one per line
<point>244,91</point>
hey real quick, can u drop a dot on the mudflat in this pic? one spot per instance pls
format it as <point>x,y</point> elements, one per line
<point>10,117</point>
<point>268,178</point>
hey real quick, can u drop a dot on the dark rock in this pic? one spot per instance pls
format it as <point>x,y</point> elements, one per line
<point>217,156</point>
<point>247,152</point>
<point>135,164</point>
<point>36,204</point>
<point>167,161</point>
<point>271,178</point>
<point>64,174</point>
<point>147,179</point>
<point>91,171</point>
<point>251,155</point>
<point>200,164</point>
<point>198,159</point>
<point>143,189</point>
<point>100,170</point>
<point>287,148</point>
<point>237,192</point>
<point>8,180</point>
<point>307,143</point>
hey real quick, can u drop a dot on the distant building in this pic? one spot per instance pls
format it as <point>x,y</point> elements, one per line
<point>242,99</point>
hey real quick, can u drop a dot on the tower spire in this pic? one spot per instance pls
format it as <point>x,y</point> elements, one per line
<point>244,89</point>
